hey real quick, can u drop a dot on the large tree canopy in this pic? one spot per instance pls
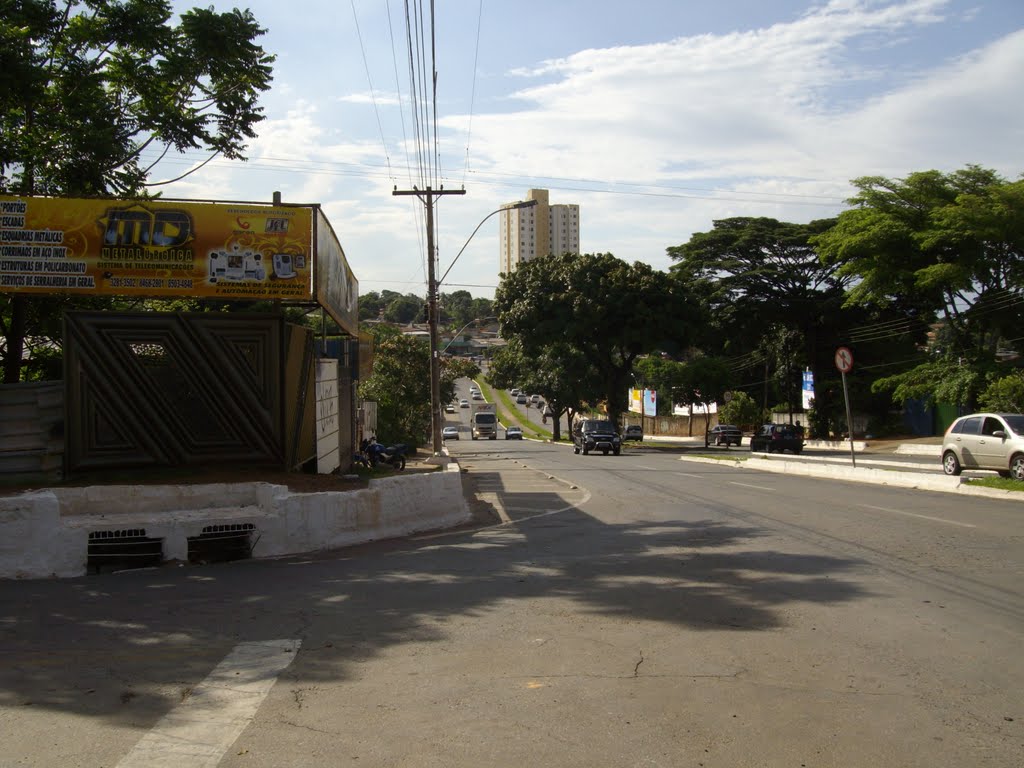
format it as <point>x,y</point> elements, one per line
<point>608,310</point>
<point>91,93</point>
<point>87,86</point>
<point>953,242</point>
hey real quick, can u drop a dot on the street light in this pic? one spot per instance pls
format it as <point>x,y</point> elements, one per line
<point>513,207</point>
<point>435,355</point>
<point>458,332</point>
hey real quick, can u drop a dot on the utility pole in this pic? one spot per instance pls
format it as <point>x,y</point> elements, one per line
<point>427,196</point>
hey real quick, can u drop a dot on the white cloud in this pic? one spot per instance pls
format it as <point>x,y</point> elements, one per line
<point>655,141</point>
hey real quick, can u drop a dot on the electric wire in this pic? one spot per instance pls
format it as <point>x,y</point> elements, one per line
<point>417,210</point>
<point>373,94</point>
<point>472,91</point>
<point>515,181</point>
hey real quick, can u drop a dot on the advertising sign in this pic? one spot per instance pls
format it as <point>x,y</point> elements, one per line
<point>337,289</point>
<point>643,401</point>
<point>155,248</point>
<point>808,390</point>
<point>650,402</point>
<point>636,401</point>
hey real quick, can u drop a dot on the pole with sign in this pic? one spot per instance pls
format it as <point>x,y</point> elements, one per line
<point>844,362</point>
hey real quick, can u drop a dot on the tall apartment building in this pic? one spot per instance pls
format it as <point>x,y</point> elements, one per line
<point>538,231</point>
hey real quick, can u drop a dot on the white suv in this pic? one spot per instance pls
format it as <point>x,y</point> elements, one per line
<point>985,441</point>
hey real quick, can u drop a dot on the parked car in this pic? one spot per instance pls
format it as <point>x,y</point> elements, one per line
<point>985,441</point>
<point>450,433</point>
<point>595,435</point>
<point>726,434</point>
<point>775,438</point>
<point>463,403</point>
<point>633,432</point>
<point>513,433</point>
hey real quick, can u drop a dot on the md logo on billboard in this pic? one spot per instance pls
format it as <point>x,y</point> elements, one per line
<point>137,225</point>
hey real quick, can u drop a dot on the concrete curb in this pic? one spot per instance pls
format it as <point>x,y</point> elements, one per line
<point>46,533</point>
<point>940,483</point>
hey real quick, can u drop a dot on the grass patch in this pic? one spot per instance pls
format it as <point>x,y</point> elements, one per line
<point>507,411</point>
<point>721,456</point>
<point>1000,483</point>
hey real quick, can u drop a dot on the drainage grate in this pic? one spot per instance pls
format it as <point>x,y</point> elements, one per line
<point>120,549</point>
<point>222,543</point>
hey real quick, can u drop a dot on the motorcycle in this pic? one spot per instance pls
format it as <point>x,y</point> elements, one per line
<point>393,455</point>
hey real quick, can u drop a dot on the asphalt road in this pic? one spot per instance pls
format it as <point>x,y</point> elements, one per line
<point>637,610</point>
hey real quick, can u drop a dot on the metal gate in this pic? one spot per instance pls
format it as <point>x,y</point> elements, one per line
<point>150,389</point>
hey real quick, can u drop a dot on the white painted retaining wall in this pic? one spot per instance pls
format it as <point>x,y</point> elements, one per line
<point>45,533</point>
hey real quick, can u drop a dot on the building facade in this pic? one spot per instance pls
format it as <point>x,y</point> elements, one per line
<point>543,229</point>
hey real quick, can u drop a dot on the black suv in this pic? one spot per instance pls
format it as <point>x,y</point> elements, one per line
<point>776,438</point>
<point>595,435</point>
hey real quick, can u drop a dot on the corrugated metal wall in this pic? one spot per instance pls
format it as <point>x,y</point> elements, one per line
<point>31,431</point>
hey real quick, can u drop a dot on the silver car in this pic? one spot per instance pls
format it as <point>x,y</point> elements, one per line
<point>985,441</point>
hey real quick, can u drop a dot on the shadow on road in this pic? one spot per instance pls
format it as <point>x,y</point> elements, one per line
<point>112,646</point>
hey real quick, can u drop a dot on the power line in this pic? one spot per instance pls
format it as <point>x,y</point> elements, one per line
<point>472,92</point>
<point>369,80</point>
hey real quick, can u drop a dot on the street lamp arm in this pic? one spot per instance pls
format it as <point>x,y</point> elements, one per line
<point>459,332</point>
<point>514,206</point>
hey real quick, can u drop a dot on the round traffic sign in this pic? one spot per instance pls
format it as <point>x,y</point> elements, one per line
<point>844,360</point>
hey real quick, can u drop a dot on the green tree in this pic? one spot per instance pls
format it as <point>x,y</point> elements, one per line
<point>1004,394</point>
<point>609,311</point>
<point>949,243</point>
<point>400,385</point>
<point>759,273</point>
<point>456,308</point>
<point>87,87</point>
<point>703,380</point>
<point>371,305</point>
<point>404,310</point>
<point>558,373</point>
<point>741,410</point>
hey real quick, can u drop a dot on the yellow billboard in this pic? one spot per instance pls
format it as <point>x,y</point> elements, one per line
<point>156,248</point>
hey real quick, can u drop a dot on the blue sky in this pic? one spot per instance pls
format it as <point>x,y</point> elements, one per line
<point>655,116</point>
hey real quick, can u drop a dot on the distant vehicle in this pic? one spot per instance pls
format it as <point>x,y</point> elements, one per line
<point>534,398</point>
<point>985,441</point>
<point>521,399</point>
<point>726,434</point>
<point>477,396</point>
<point>449,408</point>
<point>633,432</point>
<point>548,412</point>
<point>450,433</point>
<point>595,435</point>
<point>463,403</point>
<point>513,433</point>
<point>775,438</point>
<point>514,391</point>
<point>484,422</point>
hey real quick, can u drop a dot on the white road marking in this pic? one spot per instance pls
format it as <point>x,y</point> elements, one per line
<point>641,466</point>
<point>923,517</point>
<point>756,487</point>
<point>688,474</point>
<point>197,732</point>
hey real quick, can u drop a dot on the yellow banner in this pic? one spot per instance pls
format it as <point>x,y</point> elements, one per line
<point>155,248</point>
